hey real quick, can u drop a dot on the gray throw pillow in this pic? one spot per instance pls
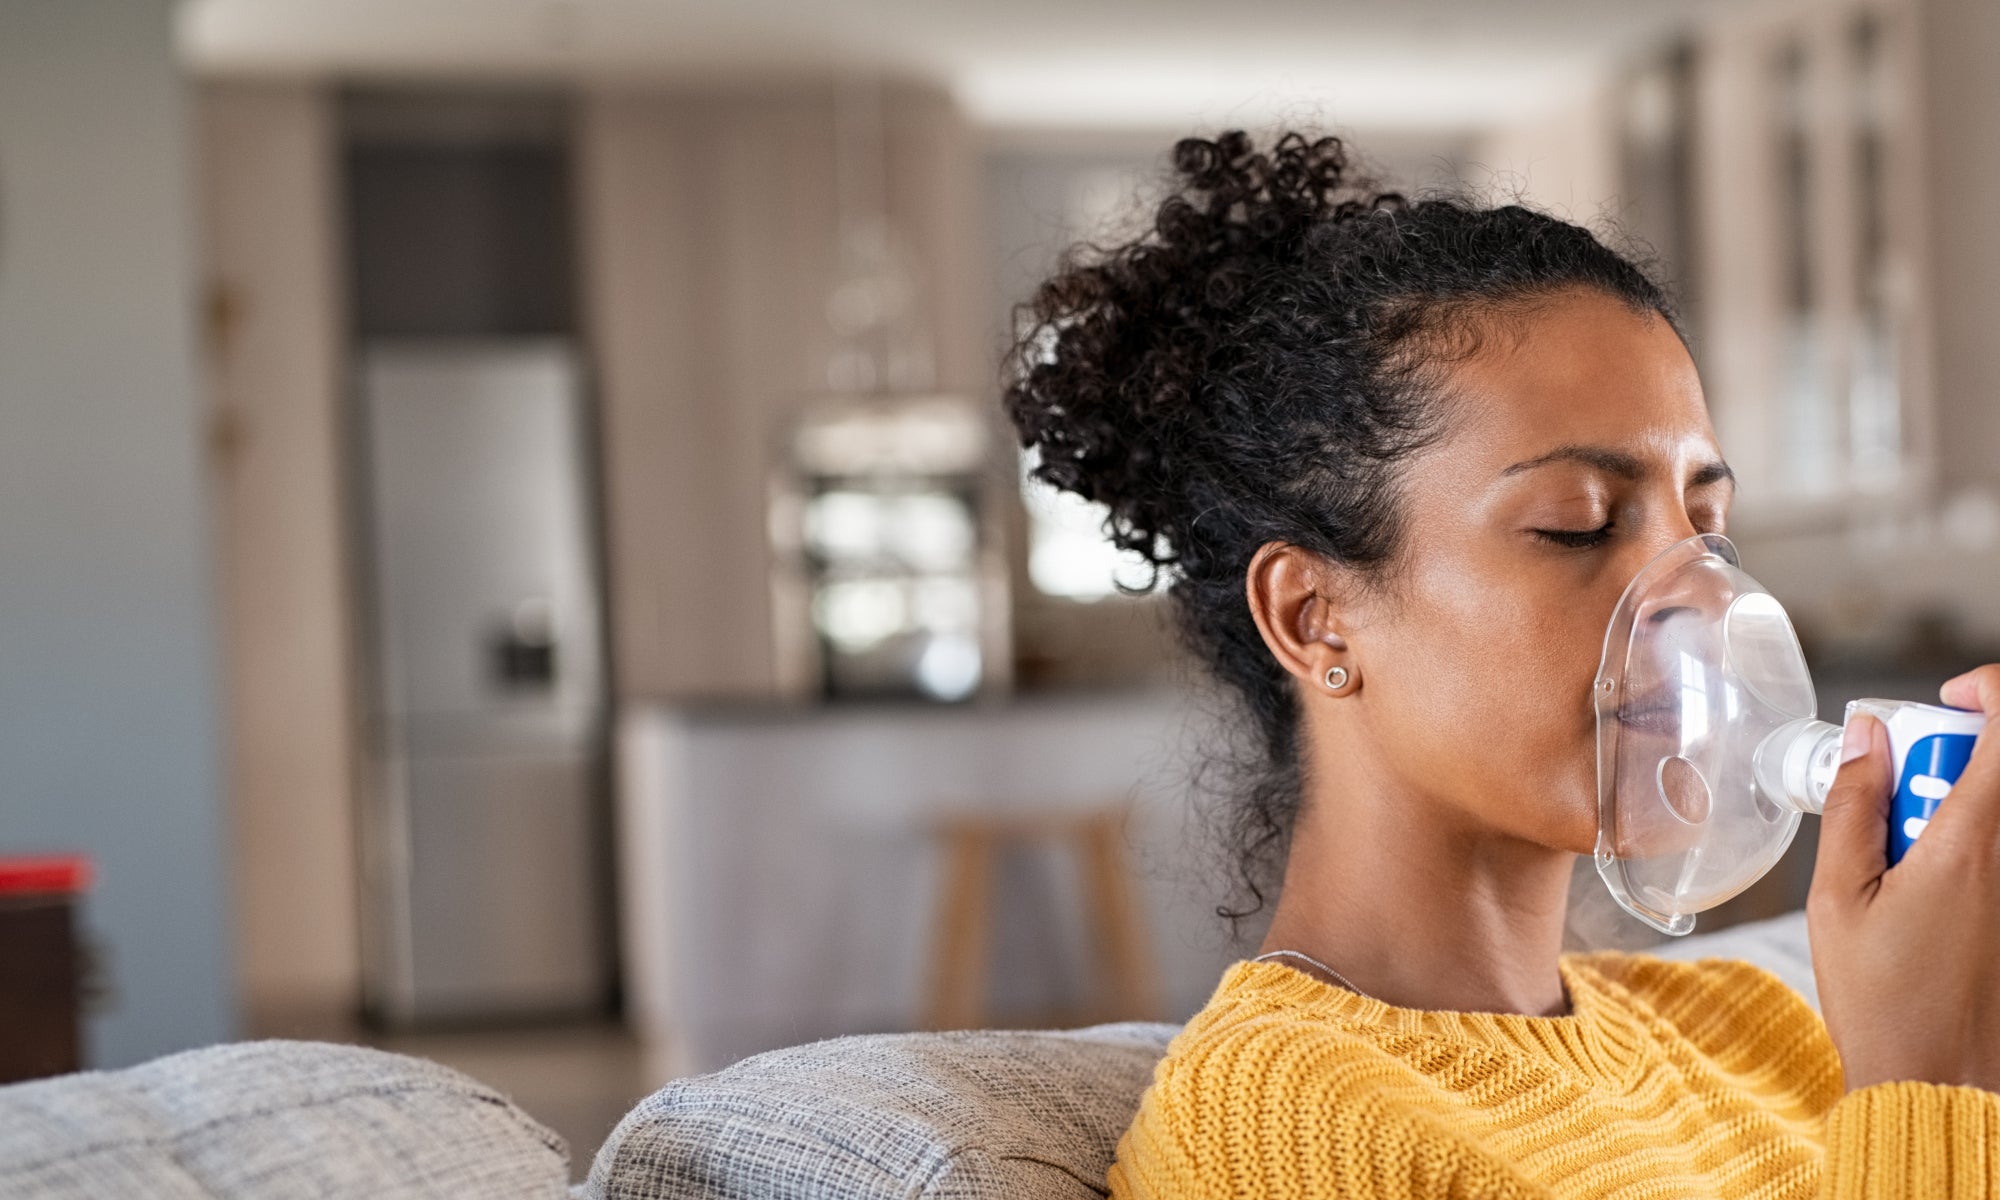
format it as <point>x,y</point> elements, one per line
<point>964,1116</point>
<point>273,1121</point>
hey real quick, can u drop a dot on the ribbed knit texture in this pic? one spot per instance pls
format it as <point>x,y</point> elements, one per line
<point>1708,1079</point>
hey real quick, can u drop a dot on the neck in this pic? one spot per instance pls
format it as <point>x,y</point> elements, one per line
<point>1421,914</point>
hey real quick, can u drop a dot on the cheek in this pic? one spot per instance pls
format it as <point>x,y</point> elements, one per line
<point>1491,688</point>
<point>1529,653</point>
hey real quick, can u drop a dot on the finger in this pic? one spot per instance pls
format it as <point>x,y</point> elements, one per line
<point>1854,829</point>
<point>1977,689</point>
<point>1970,815</point>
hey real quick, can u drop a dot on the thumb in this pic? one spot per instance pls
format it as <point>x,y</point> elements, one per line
<point>1854,829</point>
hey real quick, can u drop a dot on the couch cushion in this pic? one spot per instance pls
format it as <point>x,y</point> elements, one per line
<point>273,1120</point>
<point>1029,1116</point>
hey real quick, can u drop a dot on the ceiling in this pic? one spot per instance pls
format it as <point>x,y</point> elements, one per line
<point>1077,64</point>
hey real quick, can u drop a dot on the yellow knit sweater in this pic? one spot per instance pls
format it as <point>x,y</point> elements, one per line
<point>1708,1079</point>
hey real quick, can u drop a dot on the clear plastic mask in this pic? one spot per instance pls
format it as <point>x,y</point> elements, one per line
<point>1700,666</point>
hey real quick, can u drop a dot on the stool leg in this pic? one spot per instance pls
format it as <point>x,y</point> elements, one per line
<point>958,948</point>
<point>1125,962</point>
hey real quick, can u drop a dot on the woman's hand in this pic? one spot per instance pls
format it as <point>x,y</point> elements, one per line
<point>1908,959</point>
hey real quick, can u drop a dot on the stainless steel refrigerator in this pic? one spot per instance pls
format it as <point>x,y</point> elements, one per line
<point>484,840</point>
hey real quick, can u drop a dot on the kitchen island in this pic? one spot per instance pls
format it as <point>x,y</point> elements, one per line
<point>780,876</point>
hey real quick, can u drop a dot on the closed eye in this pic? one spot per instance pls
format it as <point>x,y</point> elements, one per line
<point>1576,539</point>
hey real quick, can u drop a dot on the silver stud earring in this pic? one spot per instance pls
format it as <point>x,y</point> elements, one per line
<point>1336,678</point>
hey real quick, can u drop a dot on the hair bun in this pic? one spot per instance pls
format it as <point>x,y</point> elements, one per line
<point>1112,377</point>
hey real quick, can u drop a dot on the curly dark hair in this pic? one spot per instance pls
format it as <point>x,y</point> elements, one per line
<point>1255,367</point>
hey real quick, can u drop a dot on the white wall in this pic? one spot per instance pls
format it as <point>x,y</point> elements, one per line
<point>268,197</point>
<point>1958,42</point>
<point>108,723</point>
<point>1564,160</point>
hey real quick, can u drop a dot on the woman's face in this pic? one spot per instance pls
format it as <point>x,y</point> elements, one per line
<point>1577,447</point>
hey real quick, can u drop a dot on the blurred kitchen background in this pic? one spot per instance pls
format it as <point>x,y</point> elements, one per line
<point>510,549</point>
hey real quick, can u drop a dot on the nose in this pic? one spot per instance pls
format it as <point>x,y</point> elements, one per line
<point>1668,612</point>
<point>1671,527</point>
<point>1662,527</point>
<point>1676,593</point>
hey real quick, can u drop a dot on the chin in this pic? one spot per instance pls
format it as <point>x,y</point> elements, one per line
<point>1573,833</point>
<point>1559,817</point>
<point>1578,826</point>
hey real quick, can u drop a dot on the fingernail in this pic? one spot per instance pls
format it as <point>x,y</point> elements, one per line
<point>1856,738</point>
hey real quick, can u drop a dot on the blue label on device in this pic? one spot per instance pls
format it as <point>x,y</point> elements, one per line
<point>1929,770</point>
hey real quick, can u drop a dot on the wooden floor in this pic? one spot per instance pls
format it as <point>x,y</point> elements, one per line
<point>576,1079</point>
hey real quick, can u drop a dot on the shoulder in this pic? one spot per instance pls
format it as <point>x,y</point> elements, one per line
<point>1739,1016</point>
<point>1273,1031</point>
<point>1258,1089</point>
<point>1295,1118</point>
<point>1688,992</point>
<point>1662,973</point>
<point>1243,1047</point>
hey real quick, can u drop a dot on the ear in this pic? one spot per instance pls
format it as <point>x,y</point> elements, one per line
<point>1296,605</point>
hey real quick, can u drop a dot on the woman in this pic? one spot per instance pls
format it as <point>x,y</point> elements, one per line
<point>1398,459</point>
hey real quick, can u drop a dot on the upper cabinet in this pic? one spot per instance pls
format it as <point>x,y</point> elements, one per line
<point>1796,229</point>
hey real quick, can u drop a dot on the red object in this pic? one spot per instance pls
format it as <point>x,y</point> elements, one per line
<point>41,965</point>
<point>64,874</point>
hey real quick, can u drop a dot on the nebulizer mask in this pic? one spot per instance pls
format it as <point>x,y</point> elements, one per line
<point>1708,748</point>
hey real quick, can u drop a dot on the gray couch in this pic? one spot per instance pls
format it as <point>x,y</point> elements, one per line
<point>963,1116</point>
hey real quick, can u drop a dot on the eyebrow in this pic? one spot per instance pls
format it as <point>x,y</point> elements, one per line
<point>1621,464</point>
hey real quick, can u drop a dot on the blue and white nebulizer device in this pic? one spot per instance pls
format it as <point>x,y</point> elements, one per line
<point>1709,748</point>
<point>1929,746</point>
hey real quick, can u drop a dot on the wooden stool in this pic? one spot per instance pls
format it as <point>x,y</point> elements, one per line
<point>1127,987</point>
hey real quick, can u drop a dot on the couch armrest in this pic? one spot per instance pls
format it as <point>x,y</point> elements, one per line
<point>274,1120</point>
